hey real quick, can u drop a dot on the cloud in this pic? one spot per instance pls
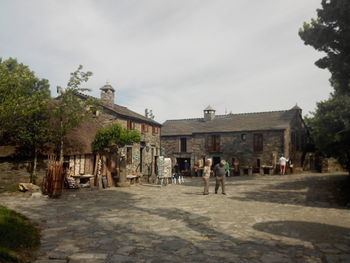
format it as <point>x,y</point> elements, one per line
<point>174,57</point>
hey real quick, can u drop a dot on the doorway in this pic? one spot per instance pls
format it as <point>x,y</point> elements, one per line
<point>182,164</point>
<point>216,160</point>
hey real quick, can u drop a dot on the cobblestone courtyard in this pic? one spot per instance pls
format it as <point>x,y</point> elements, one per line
<point>261,219</point>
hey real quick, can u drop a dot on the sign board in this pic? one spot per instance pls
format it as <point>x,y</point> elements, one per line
<point>164,167</point>
<point>137,156</point>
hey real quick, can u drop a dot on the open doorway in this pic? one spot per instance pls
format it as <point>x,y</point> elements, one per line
<point>184,165</point>
<point>216,160</point>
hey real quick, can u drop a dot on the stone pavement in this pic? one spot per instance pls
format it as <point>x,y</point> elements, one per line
<point>261,219</point>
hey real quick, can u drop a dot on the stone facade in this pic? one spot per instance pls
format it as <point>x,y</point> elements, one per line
<point>13,172</point>
<point>239,144</point>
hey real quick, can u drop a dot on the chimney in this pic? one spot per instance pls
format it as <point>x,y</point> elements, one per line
<point>209,113</point>
<point>297,109</point>
<point>107,94</point>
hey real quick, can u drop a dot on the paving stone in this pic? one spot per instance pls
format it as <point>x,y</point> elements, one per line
<point>264,220</point>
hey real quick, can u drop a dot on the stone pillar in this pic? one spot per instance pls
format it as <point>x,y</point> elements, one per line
<point>122,173</point>
<point>261,171</point>
<point>250,171</point>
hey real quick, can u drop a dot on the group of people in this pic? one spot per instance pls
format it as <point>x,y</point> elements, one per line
<point>220,172</point>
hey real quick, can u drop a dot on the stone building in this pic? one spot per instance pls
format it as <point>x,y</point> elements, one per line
<point>138,159</point>
<point>253,140</point>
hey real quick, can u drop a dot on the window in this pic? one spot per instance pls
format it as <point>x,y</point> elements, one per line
<point>258,142</point>
<point>183,145</point>
<point>155,130</point>
<point>128,155</point>
<point>243,137</point>
<point>130,125</point>
<point>213,143</point>
<point>144,128</point>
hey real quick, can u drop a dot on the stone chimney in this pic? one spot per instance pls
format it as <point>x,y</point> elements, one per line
<point>107,94</point>
<point>209,113</point>
<point>297,109</point>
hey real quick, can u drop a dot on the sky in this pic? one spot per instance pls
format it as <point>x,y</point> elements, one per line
<point>175,57</point>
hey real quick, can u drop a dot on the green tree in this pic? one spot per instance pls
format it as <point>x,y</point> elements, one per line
<point>70,109</point>
<point>111,139</point>
<point>24,115</point>
<point>114,136</point>
<point>330,34</point>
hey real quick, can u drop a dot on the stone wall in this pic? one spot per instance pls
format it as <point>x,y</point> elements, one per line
<point>13,172</point>
<point>231,146</point>
<point>331,165</point>
<point>149,141</point>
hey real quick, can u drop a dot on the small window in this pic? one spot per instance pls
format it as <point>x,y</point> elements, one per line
<point>130,125</point>
<point>213,143</point>
<point>243,137</point>
<point>155,130</point>
<point>144,128</point>
<point>129,155</point>
<point>183,145</point>
<point>258,142</point>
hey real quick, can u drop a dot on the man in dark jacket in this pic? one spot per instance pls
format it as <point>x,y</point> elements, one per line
<point>220,172</point>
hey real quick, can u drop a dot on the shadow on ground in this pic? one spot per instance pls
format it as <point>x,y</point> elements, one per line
<point>317,191</point>
<point>307,231</point>
<point>112,223</point>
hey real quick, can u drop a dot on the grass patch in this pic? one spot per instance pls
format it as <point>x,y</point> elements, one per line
<point>18,237</point>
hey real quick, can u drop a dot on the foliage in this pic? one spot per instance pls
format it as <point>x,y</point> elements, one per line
<point>331,127</point>
<point>17,236</point>
<point>70,109</point>
<point>24,113</point>
<point>23,98</point>
<point>330,33</point>
<point>114,135</point>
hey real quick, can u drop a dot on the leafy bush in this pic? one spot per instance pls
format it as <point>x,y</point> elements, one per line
<point>114,135</point>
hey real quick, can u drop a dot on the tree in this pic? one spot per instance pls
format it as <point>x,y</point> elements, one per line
<point>330,33</point>
<point>114,136</point>
<point>331,128</point>
<point>70,110</point>
<point>111,139</point>
<point>24,115</point>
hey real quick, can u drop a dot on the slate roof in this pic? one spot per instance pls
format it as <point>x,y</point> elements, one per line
<point>123,111</point>
<point>273,120</point>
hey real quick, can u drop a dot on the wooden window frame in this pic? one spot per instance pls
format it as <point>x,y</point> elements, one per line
<point>183,145</point>
<point>129,155</point>
<point>258,142</point>
<point>130,125</point>
<point>155,130</point>
<point>213,143</point>
<point>144,128</point>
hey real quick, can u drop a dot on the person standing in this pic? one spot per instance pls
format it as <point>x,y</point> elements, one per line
<point>228,168</point>
<point>282,162</point>
<point>206,176</point>
<point>220,172</point>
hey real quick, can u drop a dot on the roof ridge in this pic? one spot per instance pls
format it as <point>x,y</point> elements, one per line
<point>110,107</point>
<point>188,119</point>
<point>246,113</point>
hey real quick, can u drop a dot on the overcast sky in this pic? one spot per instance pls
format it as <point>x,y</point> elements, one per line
<point>173,56</point>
